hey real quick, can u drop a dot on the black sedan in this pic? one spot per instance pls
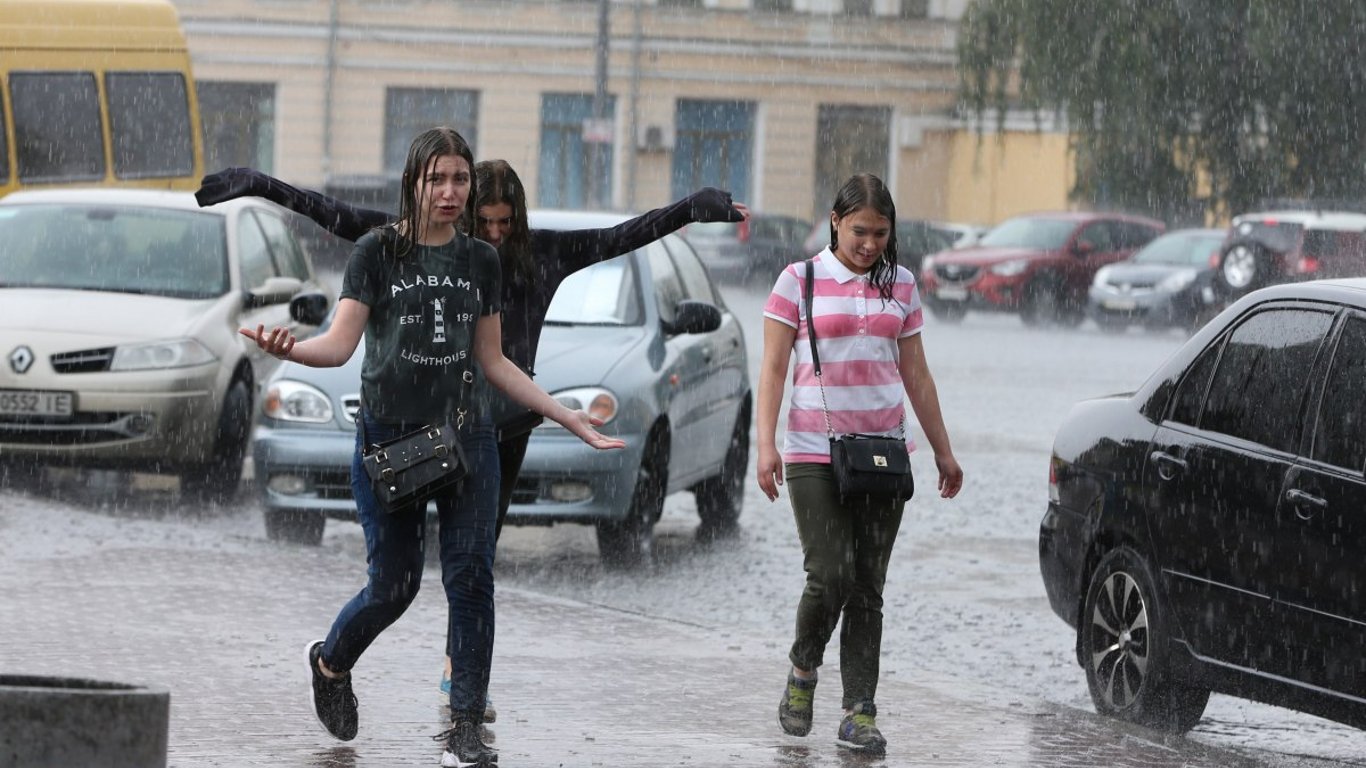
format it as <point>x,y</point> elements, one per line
<point>1169,282</point>
<point>1207,532</point>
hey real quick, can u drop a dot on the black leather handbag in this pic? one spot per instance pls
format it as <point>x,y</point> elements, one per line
<point>875,466</point>
<point>412,468</point>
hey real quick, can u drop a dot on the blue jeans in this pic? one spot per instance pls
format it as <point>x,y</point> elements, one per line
<point>395,544</point>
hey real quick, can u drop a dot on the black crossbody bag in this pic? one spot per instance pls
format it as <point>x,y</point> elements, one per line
<point>875,466</point>
<point>412,468</point>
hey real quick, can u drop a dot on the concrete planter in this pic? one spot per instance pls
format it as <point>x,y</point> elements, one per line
<point>52,721</point>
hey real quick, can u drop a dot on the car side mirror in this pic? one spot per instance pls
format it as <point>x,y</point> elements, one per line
<point>694,317</point>
<point>275,290</point>
<point>309,308</point>
<point>1084,248</point>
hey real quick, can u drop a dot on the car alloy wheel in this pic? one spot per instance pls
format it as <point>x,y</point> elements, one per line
<point>1125,647</point>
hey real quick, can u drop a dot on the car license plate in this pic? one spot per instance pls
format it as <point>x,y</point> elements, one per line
<point>951,293</point>
<point>28,402</point>
<point>1120,305</point>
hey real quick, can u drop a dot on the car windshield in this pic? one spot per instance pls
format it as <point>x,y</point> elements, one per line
<point>603,294</point>
<point>1179,249</point>
<point>712,230</point>
<point>121,249</point>
<point>1043,234</point>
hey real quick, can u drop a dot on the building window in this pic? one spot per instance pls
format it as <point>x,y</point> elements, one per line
<point>713,146</point>
<point>410,111</point>
<point>849,140</point>
<point>915,9</point>
<point>858,7</point>
<point>680,3</point>
<point>238,122</point>
<point>569,175</point>
<point>772,5</point>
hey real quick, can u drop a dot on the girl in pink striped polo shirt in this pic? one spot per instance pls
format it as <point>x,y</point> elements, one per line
<point>868,320</point>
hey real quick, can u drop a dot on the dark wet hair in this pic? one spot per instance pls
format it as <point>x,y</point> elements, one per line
<point>431,143</point>
<point>864,190</point>
<point>498,183</point>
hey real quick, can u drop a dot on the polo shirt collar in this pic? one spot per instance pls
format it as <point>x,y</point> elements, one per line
<point>836,268</point>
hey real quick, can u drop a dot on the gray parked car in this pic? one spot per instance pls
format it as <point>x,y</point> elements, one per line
<point>643,339</point>
<point>119,312</point>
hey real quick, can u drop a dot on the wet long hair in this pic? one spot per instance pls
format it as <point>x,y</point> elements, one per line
<point>431,143</point>
<point>864,190</point>
<point>498,183</point>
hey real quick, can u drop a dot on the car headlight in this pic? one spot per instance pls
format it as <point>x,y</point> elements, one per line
<point>1102,277</point>
<point>598,402</point>
<point>927,264</point>
<point>296,401</point>
<point>1010,268</point>
<point>181,353</point>
<point>1177,281</point>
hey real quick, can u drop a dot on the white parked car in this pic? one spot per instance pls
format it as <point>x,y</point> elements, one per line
<point>119,312</point>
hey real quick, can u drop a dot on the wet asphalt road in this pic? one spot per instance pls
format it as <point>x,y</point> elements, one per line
<point>964,601</point>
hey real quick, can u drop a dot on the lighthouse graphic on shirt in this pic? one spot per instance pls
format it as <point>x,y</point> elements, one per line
<point>440,320</point>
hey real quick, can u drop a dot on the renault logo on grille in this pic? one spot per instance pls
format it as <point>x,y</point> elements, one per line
<point>21,359</point>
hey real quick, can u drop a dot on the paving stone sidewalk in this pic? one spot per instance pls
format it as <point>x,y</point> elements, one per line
<point>222,624</point>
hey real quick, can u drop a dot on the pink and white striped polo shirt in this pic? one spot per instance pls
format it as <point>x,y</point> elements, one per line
<point>856,333</point>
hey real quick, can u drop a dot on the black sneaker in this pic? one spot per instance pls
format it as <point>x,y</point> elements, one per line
<point>794,711</point>
<point>464,748</point>
<point>333,701</point>
<point>858,730</point>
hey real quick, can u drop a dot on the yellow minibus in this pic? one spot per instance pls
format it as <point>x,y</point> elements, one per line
<point>96,92</point>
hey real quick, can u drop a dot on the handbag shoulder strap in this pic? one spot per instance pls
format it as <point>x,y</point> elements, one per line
<point>809,290</point>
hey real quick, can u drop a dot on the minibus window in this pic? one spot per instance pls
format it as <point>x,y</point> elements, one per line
<point>57,126</point>
<point>149,121</point>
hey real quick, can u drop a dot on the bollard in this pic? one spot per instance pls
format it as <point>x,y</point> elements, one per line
<point>52,721</point>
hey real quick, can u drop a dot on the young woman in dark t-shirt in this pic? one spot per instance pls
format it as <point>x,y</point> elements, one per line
<point>427,299</point>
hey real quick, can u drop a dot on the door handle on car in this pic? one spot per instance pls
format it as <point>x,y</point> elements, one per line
<point>1167,464</point>
<point>1302,499</point>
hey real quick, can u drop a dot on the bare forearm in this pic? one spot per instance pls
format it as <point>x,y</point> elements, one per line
<point>925,402</point>
<point>513,382</point>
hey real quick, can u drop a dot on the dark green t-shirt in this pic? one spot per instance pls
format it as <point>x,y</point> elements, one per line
<point>419,340</point>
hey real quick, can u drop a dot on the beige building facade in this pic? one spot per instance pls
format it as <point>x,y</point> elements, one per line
<point>776,100</point>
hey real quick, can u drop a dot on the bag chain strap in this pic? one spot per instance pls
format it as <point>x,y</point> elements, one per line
<point>809,292</point>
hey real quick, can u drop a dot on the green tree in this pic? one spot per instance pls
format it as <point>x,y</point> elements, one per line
<point>1260,98</point>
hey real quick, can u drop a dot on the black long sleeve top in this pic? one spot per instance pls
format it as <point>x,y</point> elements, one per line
<point>556,254</point>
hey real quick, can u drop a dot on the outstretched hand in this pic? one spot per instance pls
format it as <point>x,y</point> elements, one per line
<point>581,424</point>
<point>712,204</point>
<point>229,184</point>
<point>278,343</point>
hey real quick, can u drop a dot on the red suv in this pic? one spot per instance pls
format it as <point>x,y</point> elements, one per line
<point>1039,265</point>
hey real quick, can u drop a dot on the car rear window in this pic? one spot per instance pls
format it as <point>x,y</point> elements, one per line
<point>1179,249</point>
<point>121,249</point>
<point>1277,235</point>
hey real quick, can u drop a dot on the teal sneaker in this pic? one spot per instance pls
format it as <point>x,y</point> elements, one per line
<point>490,714</point>
<point>794,711</point>
<point>858,730</point>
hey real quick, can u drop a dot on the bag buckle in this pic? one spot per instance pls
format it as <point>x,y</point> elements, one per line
<point>387,474</point>
<point>879,461</point>
<point>381,456</point>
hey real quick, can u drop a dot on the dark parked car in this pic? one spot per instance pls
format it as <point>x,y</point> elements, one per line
<point>1285,245</point>
<point>643,340</point>
<point>1038,265</point>
<point>1207,532</point>
<point>756,249</point>
<point>1168,282</point>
